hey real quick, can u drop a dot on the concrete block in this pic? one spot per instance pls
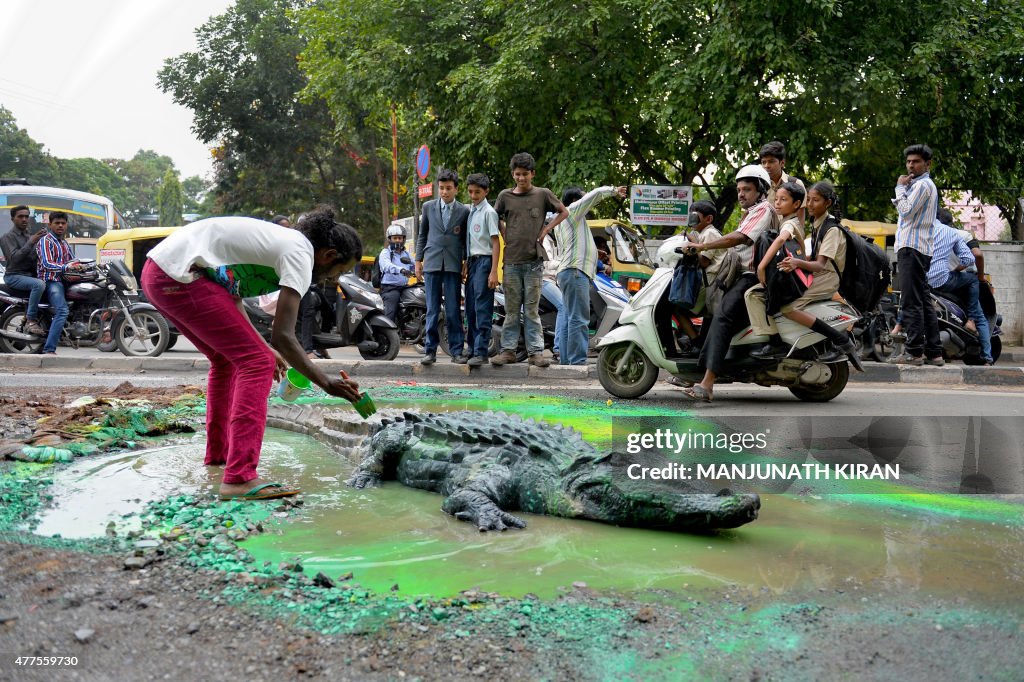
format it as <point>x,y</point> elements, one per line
<point>63,362</point>
<point>948,375</point>
<point>876,372</point>
<point>20,361</point>
<point>162,364</point>
<point>994,376</point>
<point>559,373</point>
<point>117,362</point>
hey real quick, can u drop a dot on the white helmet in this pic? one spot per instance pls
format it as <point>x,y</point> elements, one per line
<point>395,230</point>
<point>756,173</point>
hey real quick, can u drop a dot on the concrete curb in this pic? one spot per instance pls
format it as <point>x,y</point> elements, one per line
<point>951,374</point>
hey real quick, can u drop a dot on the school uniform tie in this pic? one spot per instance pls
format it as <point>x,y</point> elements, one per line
<point>444,215</point>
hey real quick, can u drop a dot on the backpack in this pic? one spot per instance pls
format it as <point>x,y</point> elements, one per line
<point>729,271</point>
<point>867,274</point>
<point>376,274</point>
<point>687,280</point>
<point>781,287</point>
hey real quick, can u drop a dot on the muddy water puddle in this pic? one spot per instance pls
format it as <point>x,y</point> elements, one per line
<point>953,546</point>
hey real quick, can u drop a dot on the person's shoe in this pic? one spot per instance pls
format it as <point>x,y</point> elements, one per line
<point>770,351</point>
<point>34,328</point>
<point>907,359</point>
<point>50,352</point>
<point>556,358</point>
<point>538,360</point>
<point>460,359</point>
<point>935,362</point>
<point>849,349</point>
<point>429,358</point>
<point>505,357</point>
<point>477,361</point>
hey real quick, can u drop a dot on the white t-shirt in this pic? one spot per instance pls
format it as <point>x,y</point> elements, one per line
<point>246,256</point>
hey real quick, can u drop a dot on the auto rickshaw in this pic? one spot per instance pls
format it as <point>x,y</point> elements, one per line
<point>624,244</point>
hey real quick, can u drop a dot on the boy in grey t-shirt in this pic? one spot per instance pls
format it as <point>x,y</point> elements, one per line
<point>522,210</point>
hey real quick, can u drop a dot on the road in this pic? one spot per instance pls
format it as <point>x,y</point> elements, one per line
<point>856,400</point>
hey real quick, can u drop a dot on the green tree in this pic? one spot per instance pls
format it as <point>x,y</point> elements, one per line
<point>170,199</point>
<point>649,91</point>
<point>198,198</point>
<point>142,176</point>
<point>276,152</point>
<point>21,156</point>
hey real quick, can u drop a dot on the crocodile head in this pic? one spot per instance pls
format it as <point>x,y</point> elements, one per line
<point>601,490</point>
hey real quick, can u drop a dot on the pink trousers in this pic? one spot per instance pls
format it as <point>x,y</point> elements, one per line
<point>241,367</point>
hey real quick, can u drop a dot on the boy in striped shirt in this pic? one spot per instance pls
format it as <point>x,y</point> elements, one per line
<point>916,201</point>
<point>53,259</point>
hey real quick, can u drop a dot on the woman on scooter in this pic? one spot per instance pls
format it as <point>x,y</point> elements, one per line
<point>197,278</point>
<point>828,260</point>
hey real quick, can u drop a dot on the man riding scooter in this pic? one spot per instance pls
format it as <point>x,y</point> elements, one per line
<point>394,263</point>
<point>752,186</point>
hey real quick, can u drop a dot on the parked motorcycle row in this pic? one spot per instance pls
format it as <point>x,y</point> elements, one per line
<point>105,308</point>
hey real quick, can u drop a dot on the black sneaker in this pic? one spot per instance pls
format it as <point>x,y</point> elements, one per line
<point>429,358</point>
<point>477,361</point>
<point>460,359</point>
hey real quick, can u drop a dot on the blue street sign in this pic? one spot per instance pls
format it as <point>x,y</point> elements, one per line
<point>423,162</point>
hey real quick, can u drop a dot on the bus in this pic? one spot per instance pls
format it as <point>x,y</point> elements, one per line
<point>89,215</point>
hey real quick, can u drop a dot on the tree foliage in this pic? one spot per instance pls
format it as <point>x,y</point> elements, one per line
<point>654,91</point>
<point>132,184</point>
<point>276,153</point>
<point>170,199</point>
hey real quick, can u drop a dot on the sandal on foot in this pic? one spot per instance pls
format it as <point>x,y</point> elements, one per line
<point>267,491</point>
<point>697,393</point>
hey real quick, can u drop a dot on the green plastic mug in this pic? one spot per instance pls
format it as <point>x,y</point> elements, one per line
<point>292,385</point>
<point>364,406</point>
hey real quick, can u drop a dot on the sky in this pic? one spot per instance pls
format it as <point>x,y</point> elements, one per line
<point>80,76</point>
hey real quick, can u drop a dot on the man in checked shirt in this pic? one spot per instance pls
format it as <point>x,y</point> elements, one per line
<point>54,258</point>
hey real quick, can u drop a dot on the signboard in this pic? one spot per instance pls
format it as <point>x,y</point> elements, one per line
<point>424,191</point>
<point>423,162</point>
<point>107,255</point>
<point>660,204</point>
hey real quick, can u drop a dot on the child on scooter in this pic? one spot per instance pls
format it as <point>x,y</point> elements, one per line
<point>828,260</point>
<point>789,204</point>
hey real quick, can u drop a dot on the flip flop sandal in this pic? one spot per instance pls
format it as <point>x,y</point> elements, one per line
<point>697,393</point>
<point>267,491</point>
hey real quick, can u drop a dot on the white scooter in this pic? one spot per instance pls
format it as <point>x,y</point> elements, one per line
<point>632,353</point>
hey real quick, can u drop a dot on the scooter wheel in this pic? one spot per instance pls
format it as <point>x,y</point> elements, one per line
<point>635,378</point>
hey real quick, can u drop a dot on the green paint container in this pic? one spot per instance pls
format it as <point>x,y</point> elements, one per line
<point>292,385</point>
<point>365,406</point>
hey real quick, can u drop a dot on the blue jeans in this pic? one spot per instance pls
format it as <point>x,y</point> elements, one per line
<point>33,286</point>
<point>964,286</point>
<point>575,340</point>
<point>550,291</point>
<point>522,289</point>
<point>479,306</point>
<point>449,283</point>
<point>59,308</point>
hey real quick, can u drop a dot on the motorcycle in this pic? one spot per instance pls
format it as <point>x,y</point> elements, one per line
<point>958,341</point>
<point>632,354</point>
<point>100,298</point>
<point>359,321</point>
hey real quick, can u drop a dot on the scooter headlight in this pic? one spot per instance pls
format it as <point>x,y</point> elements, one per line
<point>634,284</point>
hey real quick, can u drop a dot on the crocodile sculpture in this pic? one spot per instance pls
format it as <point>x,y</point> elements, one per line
<point>487,464</point>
